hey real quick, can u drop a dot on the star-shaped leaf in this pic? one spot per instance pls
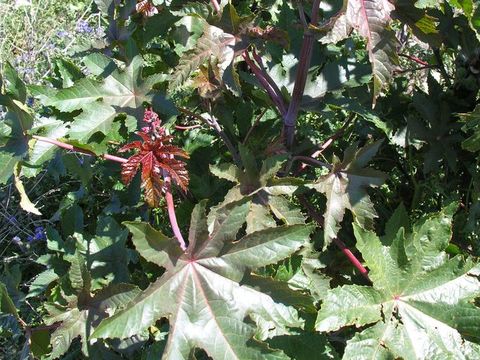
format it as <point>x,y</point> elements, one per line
<point>421,302</point>
<point>346,188</point>
<point>215,43</point>
<point>266,192</point>
<point>85,310</point>
<point>200,293</point>
<point>17,121</point>
<point>125,90</point>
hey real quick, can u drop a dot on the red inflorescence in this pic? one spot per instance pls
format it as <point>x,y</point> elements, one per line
<point>154,154</point>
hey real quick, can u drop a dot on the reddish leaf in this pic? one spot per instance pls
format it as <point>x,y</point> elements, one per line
<point>154,155</point>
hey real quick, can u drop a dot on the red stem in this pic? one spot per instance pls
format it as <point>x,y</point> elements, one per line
<point>328,142</point>
<point>181,127</point>
<point>171,211</point>
<point>266,85</point>
<point>215,5</point>
<point>77,149</point>
<point>346,251</point>
<point>416,59</point>
<point>290,118</point>
<point>270,81</point>
<point>351,257</point>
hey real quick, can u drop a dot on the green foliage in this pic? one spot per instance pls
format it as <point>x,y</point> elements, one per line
<point>269,105</point>
<point>345,188</point>
<point>200,288</point>
<point>420,301</point>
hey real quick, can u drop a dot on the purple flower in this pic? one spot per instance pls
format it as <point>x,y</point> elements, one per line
<point>12,219</point>
<point>62,33</point>
<point>30,101</point>
<point>83,27</point>
<point>38,235</point>
<point>17,240</point>
<point>28,70</point>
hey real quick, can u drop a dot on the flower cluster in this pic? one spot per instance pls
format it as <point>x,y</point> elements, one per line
<point>38,236</point>
<point>146,8</point>
<point>154,123</point>
<point>83,27</point>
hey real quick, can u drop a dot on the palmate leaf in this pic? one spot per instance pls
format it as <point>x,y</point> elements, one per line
<point>472,124</point>
<point>124,90</point>
<point>200,292</point>
<point>154,157</point>
<point>266,193</point>
<point>13,151</point>
<point>421,302</point>
<point>18,120</point>
<point>433,129</point>
<point>213,43</point>
<point>39,151</point>
<point>346,188</point>
<point>85,311</point>
<point>371,19</point>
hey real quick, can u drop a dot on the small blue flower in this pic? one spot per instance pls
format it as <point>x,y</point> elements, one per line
<point>39,234</point>
<point>17,240</point>
<point>30,101</point>
<point>30,238</point>
<point>12,219</point>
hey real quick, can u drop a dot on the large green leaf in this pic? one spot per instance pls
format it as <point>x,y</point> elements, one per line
<point>6,304</point>
<point>420,304</point>
<point>15,146</point>
<point>336,75</point>
<point>85,310</point>
<point>40,151</point>
<point>79,319</point>
<point>345,187</point>
<point>201,295</point>
<point>124,90</point>
<point>472,119</point>
<point>17,121</point>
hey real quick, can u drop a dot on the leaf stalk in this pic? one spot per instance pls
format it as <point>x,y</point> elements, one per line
<point>171,211</point>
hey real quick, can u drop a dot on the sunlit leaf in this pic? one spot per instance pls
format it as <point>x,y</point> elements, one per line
<point>345,187</point>
<point>420,304</point>
<point>201,297</point>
